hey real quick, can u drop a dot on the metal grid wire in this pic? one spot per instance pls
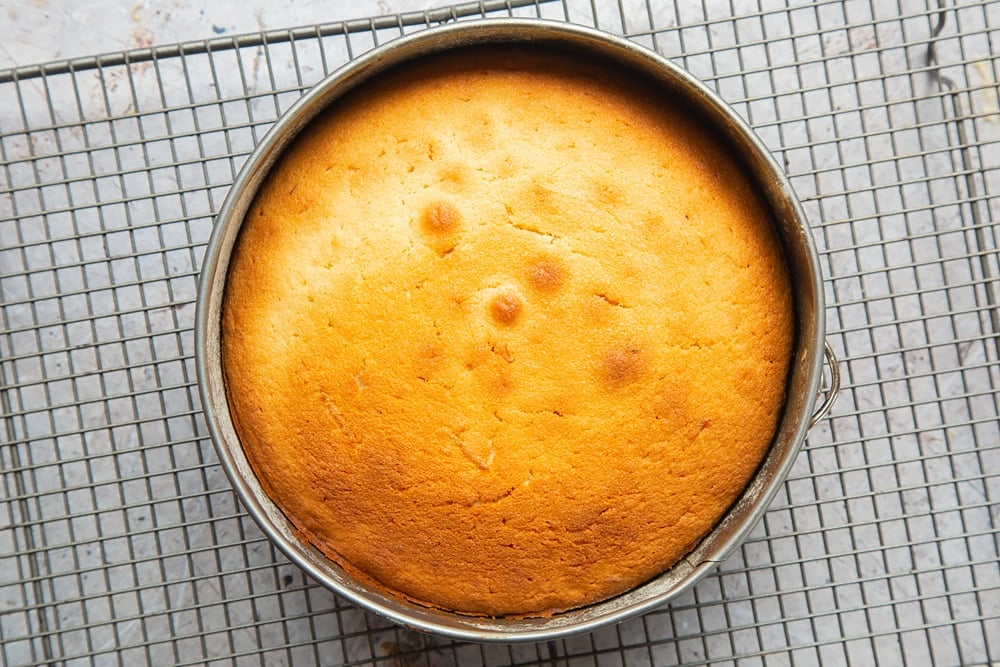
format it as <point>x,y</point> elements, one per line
<point>121,541</point>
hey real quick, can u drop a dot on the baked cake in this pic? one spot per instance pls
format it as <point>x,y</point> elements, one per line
<point>506,332</point>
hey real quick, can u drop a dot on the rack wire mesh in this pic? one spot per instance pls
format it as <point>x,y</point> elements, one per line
<point>121,541</point>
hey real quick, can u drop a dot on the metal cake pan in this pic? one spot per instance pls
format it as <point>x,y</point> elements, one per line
<point>804,384</point>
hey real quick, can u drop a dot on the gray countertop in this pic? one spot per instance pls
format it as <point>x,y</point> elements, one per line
<point>36,31</point>
<point>121,541</point>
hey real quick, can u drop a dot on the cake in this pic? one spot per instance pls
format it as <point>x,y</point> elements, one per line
<point>506,332</point>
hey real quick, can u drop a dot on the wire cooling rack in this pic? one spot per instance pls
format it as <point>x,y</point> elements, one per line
<point>121,541</point>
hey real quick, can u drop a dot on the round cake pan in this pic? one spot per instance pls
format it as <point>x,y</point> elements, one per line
<point>804,384</point>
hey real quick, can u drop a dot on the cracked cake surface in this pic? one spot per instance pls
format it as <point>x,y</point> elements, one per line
<point>506,333</point>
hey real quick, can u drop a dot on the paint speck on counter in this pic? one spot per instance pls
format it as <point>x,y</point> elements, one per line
<point>217,29</point>
<point>141,37</point>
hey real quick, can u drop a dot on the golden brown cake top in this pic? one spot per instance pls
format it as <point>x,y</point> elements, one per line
<point>506,333</point>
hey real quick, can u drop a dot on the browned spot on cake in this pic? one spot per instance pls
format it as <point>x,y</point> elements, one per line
<point>452,175</point>
<point>652,223</point>
<point>478,355</point>
<point>499,382</point>
<point>546,274</point>
<point>622,365</point>
<point>596,311</point>
<point>506,307</point>
<point>672,405</point>
<point>430,350</point>
<point>543,200</point>
<point>607,193</point>
<point>440,218</point>
<point>429,357</point>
